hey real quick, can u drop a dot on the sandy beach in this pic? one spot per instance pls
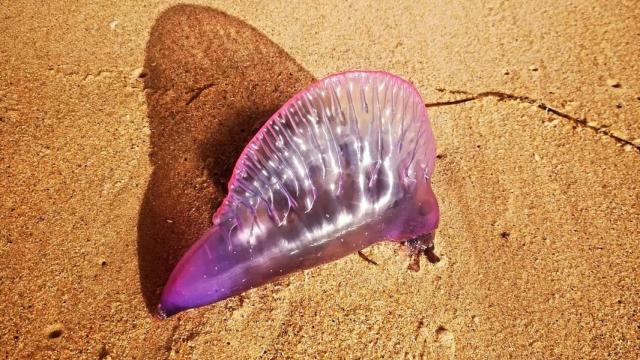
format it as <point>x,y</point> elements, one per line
<point>120,123</point>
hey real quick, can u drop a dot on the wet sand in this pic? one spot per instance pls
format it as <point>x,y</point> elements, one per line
<point>120,125</point>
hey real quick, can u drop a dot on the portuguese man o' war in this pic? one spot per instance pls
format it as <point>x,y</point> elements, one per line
<point>344,164</point>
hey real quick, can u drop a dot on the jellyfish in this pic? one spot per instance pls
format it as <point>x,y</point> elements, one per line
<point>342,165</point>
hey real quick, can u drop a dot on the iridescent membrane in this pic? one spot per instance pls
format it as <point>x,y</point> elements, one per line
<point>342,165</point>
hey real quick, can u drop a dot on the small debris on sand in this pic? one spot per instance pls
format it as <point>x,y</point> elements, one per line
<point>136,77</point>
<point>444,336</point>
<point>53,331</point>
<point>613,83</point>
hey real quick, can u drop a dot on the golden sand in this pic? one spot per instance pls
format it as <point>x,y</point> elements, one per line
<point>120,124</point>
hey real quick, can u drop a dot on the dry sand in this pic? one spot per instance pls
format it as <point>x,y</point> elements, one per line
<point>120,122</point>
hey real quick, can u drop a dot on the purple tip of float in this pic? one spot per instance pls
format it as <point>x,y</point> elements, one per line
<point>343,164</point>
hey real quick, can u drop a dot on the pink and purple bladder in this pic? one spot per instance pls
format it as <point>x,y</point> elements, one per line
<point>342,165</point>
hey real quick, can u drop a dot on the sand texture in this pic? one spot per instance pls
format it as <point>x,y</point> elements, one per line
<point>120,123</point>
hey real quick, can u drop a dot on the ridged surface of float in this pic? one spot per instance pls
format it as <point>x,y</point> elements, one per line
<point>343,164</point>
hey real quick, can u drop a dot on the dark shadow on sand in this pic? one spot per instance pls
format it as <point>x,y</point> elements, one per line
<point>210,81</point>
